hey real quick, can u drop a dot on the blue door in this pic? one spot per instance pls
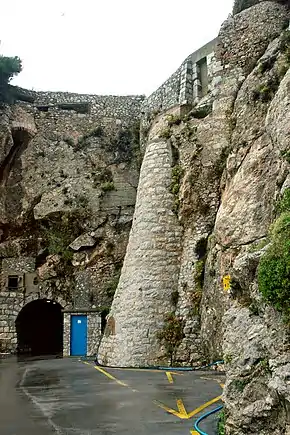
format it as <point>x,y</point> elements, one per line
<point>78,335</point>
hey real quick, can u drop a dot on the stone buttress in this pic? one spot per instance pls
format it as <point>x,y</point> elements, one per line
<point>150,269</point>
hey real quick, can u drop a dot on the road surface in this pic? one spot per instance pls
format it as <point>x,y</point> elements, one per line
<point>70,397</point>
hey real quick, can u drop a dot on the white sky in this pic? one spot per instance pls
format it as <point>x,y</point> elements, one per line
<point>120,47</point>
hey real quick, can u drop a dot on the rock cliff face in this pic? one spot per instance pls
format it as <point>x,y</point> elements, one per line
<point>69,172</point>
<point>227,172</point>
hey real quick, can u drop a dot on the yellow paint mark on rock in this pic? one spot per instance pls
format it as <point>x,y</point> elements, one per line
<point>227,283</point>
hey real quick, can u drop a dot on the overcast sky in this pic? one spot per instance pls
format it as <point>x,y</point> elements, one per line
<point>120,47</point>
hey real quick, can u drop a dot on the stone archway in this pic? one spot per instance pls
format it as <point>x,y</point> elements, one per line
<point>39,328</point>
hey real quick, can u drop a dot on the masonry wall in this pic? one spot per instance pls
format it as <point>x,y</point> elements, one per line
<point>183,86</point>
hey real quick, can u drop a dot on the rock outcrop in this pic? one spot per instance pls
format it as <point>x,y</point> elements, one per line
<point>230,158</point>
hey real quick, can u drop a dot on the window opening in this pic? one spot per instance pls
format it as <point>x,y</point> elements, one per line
<point>202,75</point>
<point>13,282</point>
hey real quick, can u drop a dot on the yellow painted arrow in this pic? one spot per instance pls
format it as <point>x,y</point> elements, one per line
<point>182,413</point>
<point>170,376</point>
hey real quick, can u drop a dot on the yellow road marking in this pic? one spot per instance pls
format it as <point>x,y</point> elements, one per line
<point>181,407</point>
<point>205,405</point>
<point>110,376</point>
<point>193,432</point>
<point>182,413</point>
<point>169,377</point>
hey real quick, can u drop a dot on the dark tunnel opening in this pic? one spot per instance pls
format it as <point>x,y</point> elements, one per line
<point>39,328</point>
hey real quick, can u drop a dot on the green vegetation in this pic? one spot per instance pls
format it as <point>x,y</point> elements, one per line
<point>254,308</point>
<point>69,140</point>
<point>108,186</point>
<point>9,67</point>
<point>59,231</point>
<point>174,298</point>
<point>112,285</point>
<point>258,246</point>
<point>221,423</point>
<point>199,274</point>
<point>165,133</point>
<point>285,44</point>
<point>102,177</point>
<point>173,120</point>
<point>284,203</point>
<point>286,155</point>
<point>266,65</point>
<point>240,384</point>
<point>274,267</point>
<point>266,91</point>
<point>171,335</point>
<point>228,358</point>
<point>177,174</point>
<point>97,132</point>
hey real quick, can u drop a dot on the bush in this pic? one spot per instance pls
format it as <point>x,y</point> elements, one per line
<point>286,155</point>
<point>108,186</point>
<point>166,133</point>
<point>221,423</point>
<point>171,335</point>
<point>274,267</point>
<point>284,203</point>
<point>173,120</point>
<point>9,67</point>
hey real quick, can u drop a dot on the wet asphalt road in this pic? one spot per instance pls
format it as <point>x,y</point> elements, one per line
<point>68,397</point>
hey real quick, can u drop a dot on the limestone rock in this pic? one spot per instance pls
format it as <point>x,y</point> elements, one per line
<point>49,268</point>
<point>83,241</point>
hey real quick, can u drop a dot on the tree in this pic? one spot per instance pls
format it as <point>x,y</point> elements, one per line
<point>9,67</point>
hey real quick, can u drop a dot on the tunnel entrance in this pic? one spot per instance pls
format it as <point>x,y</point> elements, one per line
<point>39,328</point>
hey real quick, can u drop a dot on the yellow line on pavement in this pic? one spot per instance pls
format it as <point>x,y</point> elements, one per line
<point>205,405</point>
<point>181,413</point>
<point>169,377</point>
<point>110,376</point>
<point>193,432</point>
<point>169,410</point>
<point>181,407</point>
